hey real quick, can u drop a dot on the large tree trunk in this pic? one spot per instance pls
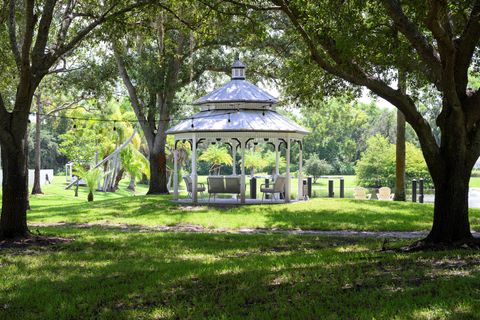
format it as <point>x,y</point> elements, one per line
<point>451,178</point>
<point>13,222</point>
<point>450,218</point>
<point>37,189</point>
<point>400,159</point>
<point>158,172</point>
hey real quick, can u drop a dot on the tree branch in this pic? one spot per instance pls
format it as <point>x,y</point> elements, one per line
<point>466,45</point>
<point>427,53</point>
<point>132,93</point>
<point>12,32</point>
<point>350,72</point>
<point>43,31</point>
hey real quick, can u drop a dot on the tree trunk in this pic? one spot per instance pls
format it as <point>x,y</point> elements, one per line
<point>118,178</point>
<point>36,181</point>
<point>158,172</point>
<point>90,196</point>
<point>13,222</point>
<point>131,185</point>
<point>400,158</point>
<point>450,218</point>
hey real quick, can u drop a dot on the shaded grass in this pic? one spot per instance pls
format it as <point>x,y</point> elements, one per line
<point>107,274</point>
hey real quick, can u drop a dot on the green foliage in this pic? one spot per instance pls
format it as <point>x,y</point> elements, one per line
<point>377,164</point>
<point>91,178</point>
<point>254,160</point>
<point>317,167</point>
<point>216,156</point>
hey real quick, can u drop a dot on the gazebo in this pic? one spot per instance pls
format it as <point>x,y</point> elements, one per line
<point>238,114</point>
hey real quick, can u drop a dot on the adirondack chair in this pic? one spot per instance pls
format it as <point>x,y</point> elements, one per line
<point>385,193</point>
<point>361,193</point>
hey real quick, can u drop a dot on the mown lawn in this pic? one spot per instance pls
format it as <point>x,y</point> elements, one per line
<point>111,274</point>
<point>58,205</point>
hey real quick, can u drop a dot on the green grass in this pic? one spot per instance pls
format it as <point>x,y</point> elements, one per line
<point>108,274</point>
<point>58,205</point>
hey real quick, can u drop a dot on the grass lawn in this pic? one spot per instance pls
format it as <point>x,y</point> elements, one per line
<point>108,274</point>
<point>58,205</point>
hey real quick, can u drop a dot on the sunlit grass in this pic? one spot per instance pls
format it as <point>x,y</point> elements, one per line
<point>124,275</point>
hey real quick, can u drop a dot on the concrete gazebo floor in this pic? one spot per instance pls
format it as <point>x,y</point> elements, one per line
<point>231,201</point>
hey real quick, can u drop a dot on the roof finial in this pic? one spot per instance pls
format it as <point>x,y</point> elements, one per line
<point>238,69</point>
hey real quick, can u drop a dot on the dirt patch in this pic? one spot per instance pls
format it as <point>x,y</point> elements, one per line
<point>33,241</point>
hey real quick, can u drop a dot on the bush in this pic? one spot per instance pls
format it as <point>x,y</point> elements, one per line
<point>377,164</point>
<point>317,167</point>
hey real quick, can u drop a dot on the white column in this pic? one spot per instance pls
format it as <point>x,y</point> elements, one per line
<point>242,179</point>
<point>300,175</point>
<point>287,184</point>
<point>234,158</point>
<point>194,168</point>
<point>175,174</point>
<point>277,157</point>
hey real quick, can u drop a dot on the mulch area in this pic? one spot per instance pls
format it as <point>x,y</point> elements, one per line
<point>33,241</point>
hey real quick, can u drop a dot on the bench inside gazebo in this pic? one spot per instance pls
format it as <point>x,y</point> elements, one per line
<point>238,114</point>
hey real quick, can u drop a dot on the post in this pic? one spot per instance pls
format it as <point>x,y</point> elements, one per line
<point>277,158</point>
<point>342,188</point>
<point>420,187</point>
<point>242,179</point>
<point>234,160</point>
<point>300,176</point>
<point>287,184</point>
<point>414,190</point>
<point>267,185</point>
<point>175,174</point>
<point>194,169</point>
<point>309,186</point>
<point>253,188</point>
<point>330,189</point>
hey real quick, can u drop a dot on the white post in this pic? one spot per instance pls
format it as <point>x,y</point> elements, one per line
<point>277,157</point>
<point>242,179</point>
<point>194,168</point>
<point>175,174</point>
<point>300,175</point>
<point>287,184</point>
<point>234,158</point>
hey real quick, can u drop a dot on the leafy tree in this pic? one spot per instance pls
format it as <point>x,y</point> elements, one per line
<point>216,156</point>
<point>358,44</point>
<point>41,34</point>
<point>377,164</point>
<point>316,167</point>
<point>254,160</point>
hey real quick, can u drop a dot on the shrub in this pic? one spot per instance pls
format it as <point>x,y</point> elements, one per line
<point>377,164</point>
<point>317,167</point>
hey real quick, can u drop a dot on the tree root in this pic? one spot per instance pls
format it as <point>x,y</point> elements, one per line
<point>32,240</point>
<point>427,244</point>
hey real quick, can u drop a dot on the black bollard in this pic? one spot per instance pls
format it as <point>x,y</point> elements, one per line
<point>331,194</point>
<point>309,187</point>
<point>267,184</point>
<point>414,190</point>
<point>342,188</point>
<point>253,188</point>
<point>421,191</point>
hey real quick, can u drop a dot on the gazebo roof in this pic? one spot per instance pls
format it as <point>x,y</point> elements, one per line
<point>237,90</point>
<point>243,120</point>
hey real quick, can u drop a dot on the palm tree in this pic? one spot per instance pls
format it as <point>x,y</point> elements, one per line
<point>254,160</point>
<point>217,156</point>
<point>91,178</point>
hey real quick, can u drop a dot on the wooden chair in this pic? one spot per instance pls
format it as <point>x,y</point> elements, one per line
<point>189,183</point>
<point>385,193</point>
<point>361,193</point>
<point>278,186</point>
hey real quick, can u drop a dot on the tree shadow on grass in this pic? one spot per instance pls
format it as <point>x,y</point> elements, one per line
<point>104,274</point>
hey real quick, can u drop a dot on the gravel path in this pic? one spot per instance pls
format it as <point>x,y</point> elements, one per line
<point>200,229</point>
